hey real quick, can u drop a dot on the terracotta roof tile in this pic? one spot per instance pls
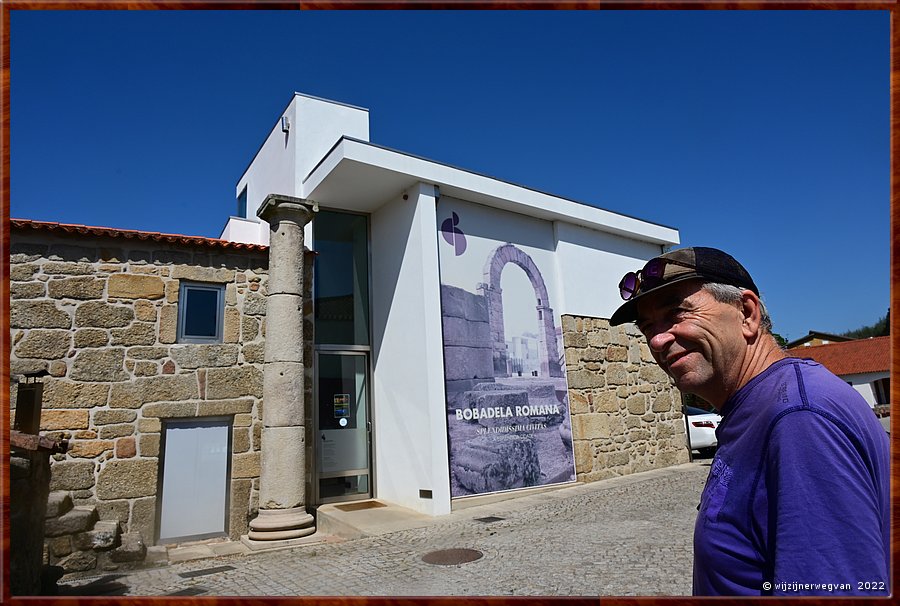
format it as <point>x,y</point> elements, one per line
<point>850,357</point>
<point>89,230</point>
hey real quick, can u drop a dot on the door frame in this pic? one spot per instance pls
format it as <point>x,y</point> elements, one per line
<point>345,350</point>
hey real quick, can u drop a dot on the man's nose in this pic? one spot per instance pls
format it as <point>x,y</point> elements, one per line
<point>660,341</point>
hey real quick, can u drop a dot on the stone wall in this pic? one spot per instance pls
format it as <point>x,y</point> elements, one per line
<point>468,354</point>
<point>626,415</point>
<point>100,315</point>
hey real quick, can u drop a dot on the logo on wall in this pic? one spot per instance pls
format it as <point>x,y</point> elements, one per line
<point>454,235</point>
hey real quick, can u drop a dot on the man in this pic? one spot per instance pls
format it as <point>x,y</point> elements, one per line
<point>797,501</point>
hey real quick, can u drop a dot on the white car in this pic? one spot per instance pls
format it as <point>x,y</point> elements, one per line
<point>702,426</point>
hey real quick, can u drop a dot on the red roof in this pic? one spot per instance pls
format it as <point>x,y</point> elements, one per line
<point>88,230</point>
<point>850,357</point>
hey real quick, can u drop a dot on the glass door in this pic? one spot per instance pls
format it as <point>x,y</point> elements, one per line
<point>342,426</point>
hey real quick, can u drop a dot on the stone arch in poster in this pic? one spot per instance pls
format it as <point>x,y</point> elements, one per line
<point>490,289</point>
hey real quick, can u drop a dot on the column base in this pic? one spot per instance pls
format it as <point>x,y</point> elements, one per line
<point>281,524</point>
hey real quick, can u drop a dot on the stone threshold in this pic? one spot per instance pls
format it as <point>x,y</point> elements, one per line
<point>165,555</point>
<point>172,554</point>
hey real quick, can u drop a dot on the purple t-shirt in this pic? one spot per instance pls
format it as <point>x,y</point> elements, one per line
<point>798,499</point>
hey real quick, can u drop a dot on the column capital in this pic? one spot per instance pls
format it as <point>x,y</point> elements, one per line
<point>276,204</point>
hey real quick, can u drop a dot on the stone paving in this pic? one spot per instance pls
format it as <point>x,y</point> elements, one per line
<point>630,535</point>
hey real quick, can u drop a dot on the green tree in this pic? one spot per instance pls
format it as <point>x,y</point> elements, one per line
<point>880,328</point>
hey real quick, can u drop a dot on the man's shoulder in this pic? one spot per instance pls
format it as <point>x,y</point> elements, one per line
<point>795,383</point>
<point>807,385</point>
<point>820,384</point>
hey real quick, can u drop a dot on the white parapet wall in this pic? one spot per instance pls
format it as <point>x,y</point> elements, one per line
<point>248,231</point>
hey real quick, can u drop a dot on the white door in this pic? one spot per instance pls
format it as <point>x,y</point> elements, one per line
<point>194,491</point>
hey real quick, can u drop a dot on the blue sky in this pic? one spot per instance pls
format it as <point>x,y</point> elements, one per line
<point>763,133</point>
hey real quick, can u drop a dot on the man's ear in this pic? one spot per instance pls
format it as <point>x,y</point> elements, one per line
<point>752,315</point>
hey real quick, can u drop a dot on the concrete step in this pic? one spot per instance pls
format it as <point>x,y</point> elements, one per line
<point>358,519</point>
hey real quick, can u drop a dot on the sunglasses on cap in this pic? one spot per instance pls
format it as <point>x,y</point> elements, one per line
<point>649,277</point>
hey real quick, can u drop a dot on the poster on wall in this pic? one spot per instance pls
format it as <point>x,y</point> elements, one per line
<point>508,418</point>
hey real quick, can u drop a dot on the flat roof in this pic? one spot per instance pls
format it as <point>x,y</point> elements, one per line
<point>360,175</point>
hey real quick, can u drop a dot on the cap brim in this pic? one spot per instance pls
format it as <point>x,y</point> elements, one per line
<point>627,312</point>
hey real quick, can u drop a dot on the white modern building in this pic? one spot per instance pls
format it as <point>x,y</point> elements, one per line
<point>408,304</point>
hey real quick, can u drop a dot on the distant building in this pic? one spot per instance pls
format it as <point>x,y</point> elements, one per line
<point>816,338</point>
<point>863,363</point>
<point>524,358</point>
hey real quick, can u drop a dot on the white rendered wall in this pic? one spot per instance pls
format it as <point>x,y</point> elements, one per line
<point>285,159</point>
<point>865,390</point>
<point>247,231</point>
<point>590,265</point>
<point>273,169</point>
<point>409,417</point>
<point>320,123</point>
<point>863,384</point>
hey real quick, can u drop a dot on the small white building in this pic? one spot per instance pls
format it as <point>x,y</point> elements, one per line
<point>410,314</point>
<point>863,363</point>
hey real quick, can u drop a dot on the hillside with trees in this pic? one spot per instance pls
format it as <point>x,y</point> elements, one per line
<point>881,328</point>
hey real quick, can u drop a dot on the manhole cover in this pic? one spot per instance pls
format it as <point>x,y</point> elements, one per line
<point>489,519</point>
<point>450,557</point>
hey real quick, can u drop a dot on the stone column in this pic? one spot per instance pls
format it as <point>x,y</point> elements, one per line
<point>493,298</point>
<point>282,481</point>
<point>549,346</point>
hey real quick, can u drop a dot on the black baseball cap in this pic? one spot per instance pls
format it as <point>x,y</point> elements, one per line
<point>710,264</point>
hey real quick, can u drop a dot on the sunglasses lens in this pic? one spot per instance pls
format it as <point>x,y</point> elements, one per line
<point>652,274</point>
<point>628,285</point>
<point>654,268</point>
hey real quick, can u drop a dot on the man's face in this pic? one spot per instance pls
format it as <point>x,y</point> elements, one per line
<point>695,339</point>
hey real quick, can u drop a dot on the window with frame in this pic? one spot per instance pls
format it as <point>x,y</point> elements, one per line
<point>201,309</point>
<point>242,203</point>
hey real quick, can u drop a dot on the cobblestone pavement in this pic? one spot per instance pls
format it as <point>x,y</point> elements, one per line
<point>626,536</point>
